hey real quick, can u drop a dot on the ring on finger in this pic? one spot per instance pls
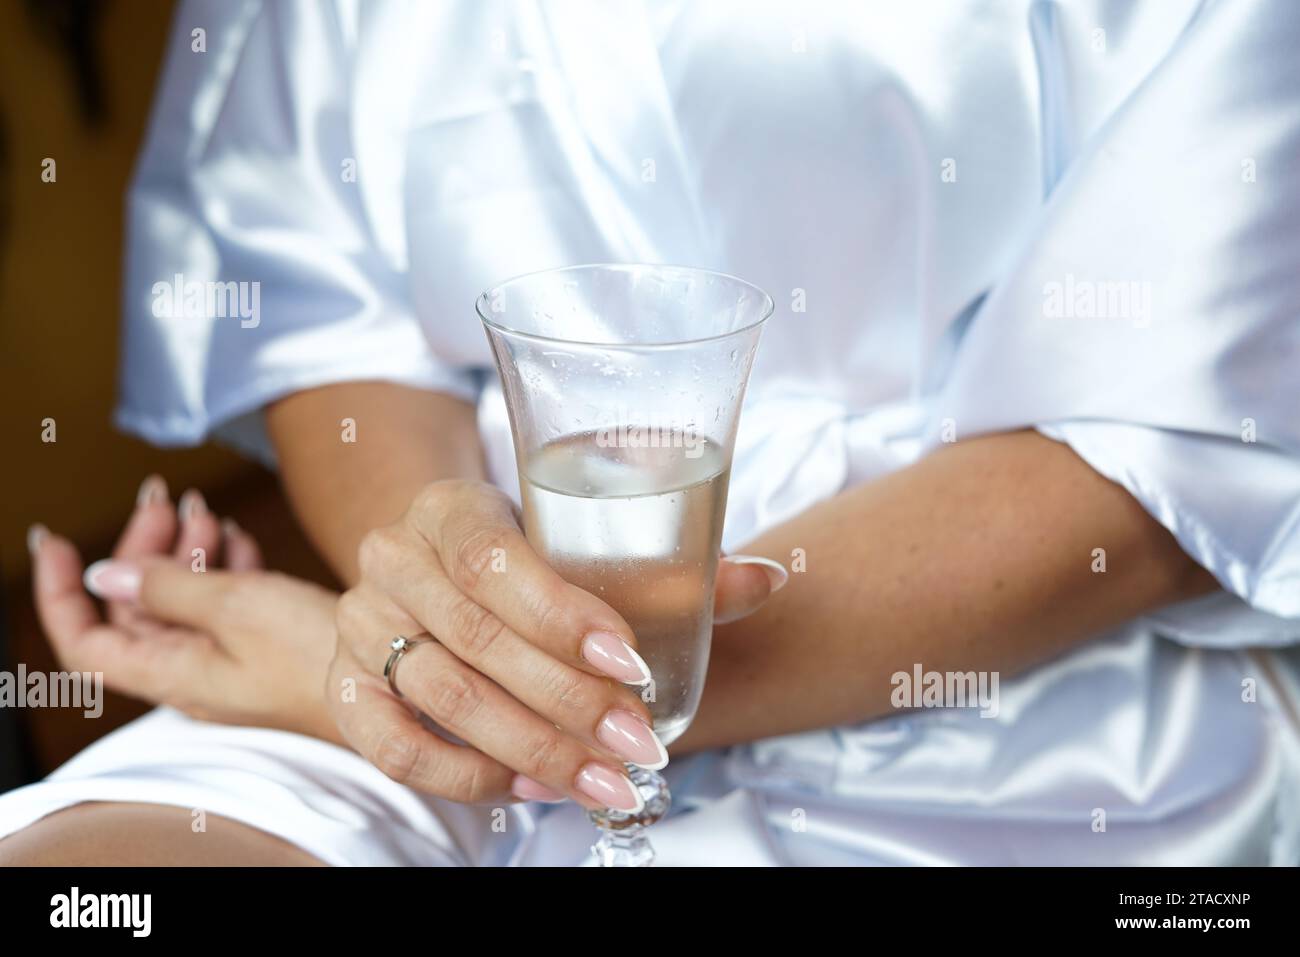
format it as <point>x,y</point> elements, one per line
<point>400,645</point>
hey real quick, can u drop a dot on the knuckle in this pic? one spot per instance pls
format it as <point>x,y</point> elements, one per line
<point>375,552</point>
<point>568,691</point>
<point>397,754</point>
<point>430,499</point>
<point>476,629</point>
<point>551,614</point>
<point>440,501</point>
<point>542,755</point>
<point>466,784</point>
<point>474,553</point>
<point>452,698</point>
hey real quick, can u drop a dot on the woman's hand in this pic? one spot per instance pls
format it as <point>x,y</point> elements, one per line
<point>532,673</point>
<point>240,645</point>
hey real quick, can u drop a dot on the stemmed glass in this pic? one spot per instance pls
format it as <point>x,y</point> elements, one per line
<point>624,385</point>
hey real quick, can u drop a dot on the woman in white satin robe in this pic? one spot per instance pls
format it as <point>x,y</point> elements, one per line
<point>1078,217</point>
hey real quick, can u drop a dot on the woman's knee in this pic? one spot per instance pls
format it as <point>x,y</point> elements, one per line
<point>147,835</point>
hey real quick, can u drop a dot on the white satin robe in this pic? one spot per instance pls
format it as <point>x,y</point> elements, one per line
<point>907,180</point>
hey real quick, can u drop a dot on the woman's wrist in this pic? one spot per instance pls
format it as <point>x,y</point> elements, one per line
<point>353,455</point>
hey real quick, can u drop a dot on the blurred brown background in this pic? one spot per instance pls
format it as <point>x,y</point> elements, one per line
<point>76,83</point>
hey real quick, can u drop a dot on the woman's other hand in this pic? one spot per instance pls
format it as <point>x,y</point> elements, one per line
<point>192,619</point>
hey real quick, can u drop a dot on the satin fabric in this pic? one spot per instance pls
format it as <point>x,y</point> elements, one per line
<point>909,181</point>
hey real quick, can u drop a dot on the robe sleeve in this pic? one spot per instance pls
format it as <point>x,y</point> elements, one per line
<point>254,267</point>
<point>1152,319</point>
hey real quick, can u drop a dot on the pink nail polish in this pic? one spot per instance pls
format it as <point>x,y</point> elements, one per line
<point>36,536</point>
<point>190,505</point>
<point>526,789</point>
<point>777,576</point>
<point>113,580</point>
<point>610,788</point>
<point>610,654</point>
<point>153,491</point>
<point>632,739</point>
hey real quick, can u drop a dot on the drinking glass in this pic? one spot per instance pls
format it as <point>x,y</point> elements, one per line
<point>624,386</point>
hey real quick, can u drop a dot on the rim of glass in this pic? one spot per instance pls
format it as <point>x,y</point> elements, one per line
<point>769,306</point>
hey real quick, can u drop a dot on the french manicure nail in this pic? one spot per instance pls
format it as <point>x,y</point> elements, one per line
<point>609,653</point>
<point>526,789</point>
<point>609,788</point>
<point>153,491</point>
<point>36,536</point>
<point>776,573</point>
<point>190,505</point>
<point>229,528</point>
<point>113,580</point>
<point>632,739</point>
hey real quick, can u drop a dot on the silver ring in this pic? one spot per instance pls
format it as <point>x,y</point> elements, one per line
<point>400,645</point>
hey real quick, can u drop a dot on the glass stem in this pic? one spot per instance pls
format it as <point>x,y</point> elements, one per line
<point>623,841</point>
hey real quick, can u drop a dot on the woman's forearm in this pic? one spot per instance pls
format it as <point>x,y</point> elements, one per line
<point>344,482</point>
<point>980,557</point>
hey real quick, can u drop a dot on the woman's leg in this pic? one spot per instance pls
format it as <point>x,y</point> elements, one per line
<point>102,834</point>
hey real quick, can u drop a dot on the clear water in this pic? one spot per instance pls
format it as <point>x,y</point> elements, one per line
<point>641,529</point>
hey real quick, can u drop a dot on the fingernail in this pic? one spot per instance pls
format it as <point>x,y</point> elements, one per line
<point>632,739</point>
<point>36,536</point>
<point>113,580</point>
<point>526,789</point>
<point>776,573</point>
<point>190,505</point>
<point>153,491</point>
<point>229,528</point>
<point>609,653</point>
<point>609,788</point>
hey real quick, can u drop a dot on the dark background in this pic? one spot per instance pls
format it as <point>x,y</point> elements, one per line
<point>76,83</point>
